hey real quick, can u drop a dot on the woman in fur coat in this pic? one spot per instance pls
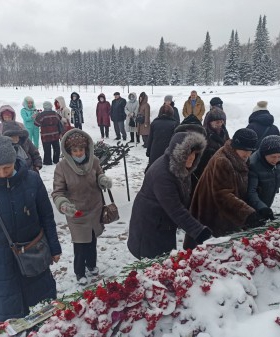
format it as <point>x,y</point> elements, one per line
<point>78,180</point>
<point>144,110</point>
<point>219,199</point>
<point>161,206</point>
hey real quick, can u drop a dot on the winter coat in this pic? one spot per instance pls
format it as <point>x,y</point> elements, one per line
<point>63,111</point>
<point>25,209</point>
<point>262,123</point>
<point>264,182</point>
<point>50,124</point>
<point>214,142</point>
<point>27,113</point>
<point>144,109</point>
<point>161,205</point>
<point>77,115</point>
<point>117,110</point>
<point>8,107</point>
<point>176,113</point>
<point>78,183</point>
<point>131,110</point>
<point>103,111</point>
<point>219,197</point>
<point>161,131</point>
<point>198,110</point>
<point>30,153</point>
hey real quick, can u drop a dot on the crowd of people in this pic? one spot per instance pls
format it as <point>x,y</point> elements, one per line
<point>197,179</point>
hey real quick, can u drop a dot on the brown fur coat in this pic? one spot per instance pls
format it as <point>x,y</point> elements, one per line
<point>218,200</point>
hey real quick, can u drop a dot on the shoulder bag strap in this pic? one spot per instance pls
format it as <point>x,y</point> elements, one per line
<point>6,233</point>
<point>110,195</point>
<point>262,136</point>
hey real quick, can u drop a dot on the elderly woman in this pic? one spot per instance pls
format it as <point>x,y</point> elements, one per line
<point>219,199</point>
<point>264,176</point>
<point>78,180</point>
<point>161,206</point>
<point>25,210</point>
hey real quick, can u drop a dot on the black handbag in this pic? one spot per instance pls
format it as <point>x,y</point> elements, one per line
<point>110,212</point>
<point>140,119</point>
<point>33,257</point>
<point>132,122</point>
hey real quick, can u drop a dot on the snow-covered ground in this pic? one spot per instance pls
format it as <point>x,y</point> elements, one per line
<point>113,254</point>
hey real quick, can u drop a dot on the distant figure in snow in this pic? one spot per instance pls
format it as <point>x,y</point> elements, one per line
<point>168,100</point>
<point>131,110</point>
<point>64,112</point>
<point>215,102</point>
<point>194,105</point>
<point>76,105</point>
<point>28,114</point>
<point>103,115</point>
<point>118,115</point>
<point>143,129</point>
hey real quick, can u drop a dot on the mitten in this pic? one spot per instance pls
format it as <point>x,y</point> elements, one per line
<point>204,235</point>
<point>266,213</point>
<point>254,220</point>
<point>104,181</point>
<point>68,209</point>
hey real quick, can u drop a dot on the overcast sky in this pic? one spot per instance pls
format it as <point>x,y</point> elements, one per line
<point>93,24</point>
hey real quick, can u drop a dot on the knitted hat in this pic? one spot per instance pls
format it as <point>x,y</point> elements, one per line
<point>7,152</point>
<point>261,105</point>
<point>12,128</point>
<point>47,105</point>
<point>117,93</point>
<point>216,114</point>
<point>168,98</point>
<point>191,119</point>
<point>270,145</point>
<point>216,101</point>
<point>75,139</point>
<point>191,128</point>
<point>244,139</point>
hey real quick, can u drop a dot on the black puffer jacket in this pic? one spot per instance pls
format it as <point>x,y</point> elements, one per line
<point>162,129</point>
<point>263,182</point>
<point>262,123</point>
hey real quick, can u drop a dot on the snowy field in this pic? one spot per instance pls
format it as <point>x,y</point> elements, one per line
<point>113,254</point>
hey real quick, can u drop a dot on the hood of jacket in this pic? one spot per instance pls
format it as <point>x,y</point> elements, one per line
<point>61,102</point>
<point>75,93</point>
<point>132,97</point>
<point>180,147</point>
<point>9,108</point>
<point>25,103</point>
<point>262,117</point>
<point>144,98</point>
<point>12,128</point>
<point>84,168</point>
<point>101,95</point>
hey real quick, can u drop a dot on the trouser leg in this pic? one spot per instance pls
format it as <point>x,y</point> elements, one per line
<point>56,151</point>
<point>47,153</point>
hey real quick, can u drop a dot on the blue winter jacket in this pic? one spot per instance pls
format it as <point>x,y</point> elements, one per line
<point>24,209</point>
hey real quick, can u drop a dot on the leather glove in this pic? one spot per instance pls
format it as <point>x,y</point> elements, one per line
<point>266,213</point>
<point>68,209</point>
<point>204,235</point>
<point>104,182</point>
<point>254,220</point>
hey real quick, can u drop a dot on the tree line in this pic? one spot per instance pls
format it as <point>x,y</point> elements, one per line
<point>255,63</point>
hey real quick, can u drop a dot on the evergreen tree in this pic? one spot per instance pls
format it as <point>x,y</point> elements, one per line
<point>245,69</point>
<point>207,63</point>
<point>161,78</point>
<point>152,73</point>
<point>193,74</point>
<point>121,71</point>
<point>113,67</point>
<point>175,78</point>
<point>231,66</point>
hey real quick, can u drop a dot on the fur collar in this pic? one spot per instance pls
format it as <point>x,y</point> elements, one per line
<point>180,148</point>
<point>238,164</point>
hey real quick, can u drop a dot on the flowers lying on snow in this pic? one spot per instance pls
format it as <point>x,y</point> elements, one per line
<point>170,289</point>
